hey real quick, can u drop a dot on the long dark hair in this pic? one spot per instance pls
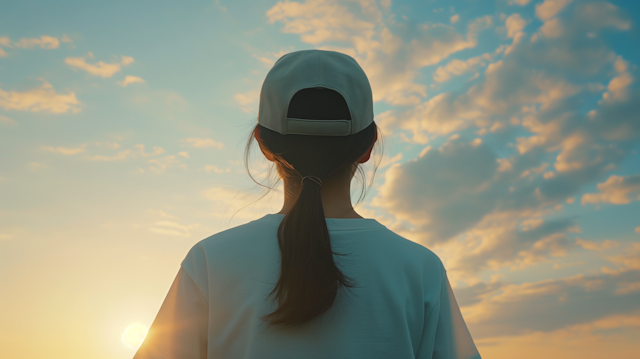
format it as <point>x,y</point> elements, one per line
<point>309,278</point>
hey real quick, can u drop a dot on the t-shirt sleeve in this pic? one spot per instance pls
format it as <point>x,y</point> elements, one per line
<point>445,335</point>
<point>180,328</point>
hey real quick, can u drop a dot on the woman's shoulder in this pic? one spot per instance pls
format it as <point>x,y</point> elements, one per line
<point>423,253</point>
<point>236,237</point>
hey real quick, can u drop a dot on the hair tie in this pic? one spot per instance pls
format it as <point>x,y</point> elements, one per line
<point>313,178</point>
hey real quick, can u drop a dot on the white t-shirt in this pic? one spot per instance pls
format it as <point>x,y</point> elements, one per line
<point>402,306</point>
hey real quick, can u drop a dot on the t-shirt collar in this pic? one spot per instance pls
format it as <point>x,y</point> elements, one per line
<point>333,224</point>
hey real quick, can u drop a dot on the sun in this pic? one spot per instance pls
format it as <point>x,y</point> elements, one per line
<point>134,335</point>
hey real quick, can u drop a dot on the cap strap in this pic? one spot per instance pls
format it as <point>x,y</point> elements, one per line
<point>298,126</point>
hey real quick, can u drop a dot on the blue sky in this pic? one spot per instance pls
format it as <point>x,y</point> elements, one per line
<point>511,149</point>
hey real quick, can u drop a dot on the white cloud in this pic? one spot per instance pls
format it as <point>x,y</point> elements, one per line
<point>136,152</point>
<point>122,155</point>
<point>212,168</point>
<point>392,61</point>
<point>127,60</point>
<point>458,67</point>
<point>618,88</point>
<point>65,150</point>
<point>128,80</point>
<point>514,24</point>
<point>615,190</point>
<point>160,164</point>
<point>550,8</point>
<point>594,246</point>
<point>494,309</point>
<point>102,69</point>
<point>203,143</point>
<point>43,98</point>
<point>248,98</point>
<point>45,42</point>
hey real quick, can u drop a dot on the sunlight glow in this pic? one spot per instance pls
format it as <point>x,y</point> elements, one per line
<point>134,335</point>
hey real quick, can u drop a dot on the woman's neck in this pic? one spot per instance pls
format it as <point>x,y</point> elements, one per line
<point>336,197</point>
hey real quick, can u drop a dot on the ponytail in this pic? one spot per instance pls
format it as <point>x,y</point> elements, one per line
<point>309,277</point>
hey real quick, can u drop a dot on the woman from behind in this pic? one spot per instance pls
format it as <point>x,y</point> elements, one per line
<point>315,280</point>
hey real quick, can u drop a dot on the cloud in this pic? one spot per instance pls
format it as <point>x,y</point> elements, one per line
<point>212,168</point>
<point>270,58</point>
<point>43,98</point>
<point>102,69</point>
<point>138,151</point>
<point>550,305</point>
<point>65,150</point>
<point>615,190</point>
<point>514,24</point>
<point>506,90</point>
<point>600,15</point>
<point>161,164</point>
<point>619,86</point>
<point>6,42</point>
<point>552,28</point>
<point>593,246</point>
<point>7,121</point>
<point>392,60</point>
<point>127,60</point>
<point>248,98</point>
<point>457,67</point>
<point>429,189</point>
<point>454,18</point>
<point>44,42</point>
<point>128,80</point>
<point>520,2</point>
<point>550,8</point>
<point>203,143</point>
<point>630,261</point>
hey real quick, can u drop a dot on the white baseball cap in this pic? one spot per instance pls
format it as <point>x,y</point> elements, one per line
<point>305,69</point>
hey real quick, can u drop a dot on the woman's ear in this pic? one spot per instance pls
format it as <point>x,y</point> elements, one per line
<point>367,155</point>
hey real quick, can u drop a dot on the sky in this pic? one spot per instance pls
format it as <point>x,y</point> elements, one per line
<point>510,148</point>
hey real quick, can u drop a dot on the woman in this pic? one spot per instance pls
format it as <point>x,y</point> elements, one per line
<point>315,280</point>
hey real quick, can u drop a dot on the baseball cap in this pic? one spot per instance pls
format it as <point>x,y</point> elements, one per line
<point>306,69</point>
